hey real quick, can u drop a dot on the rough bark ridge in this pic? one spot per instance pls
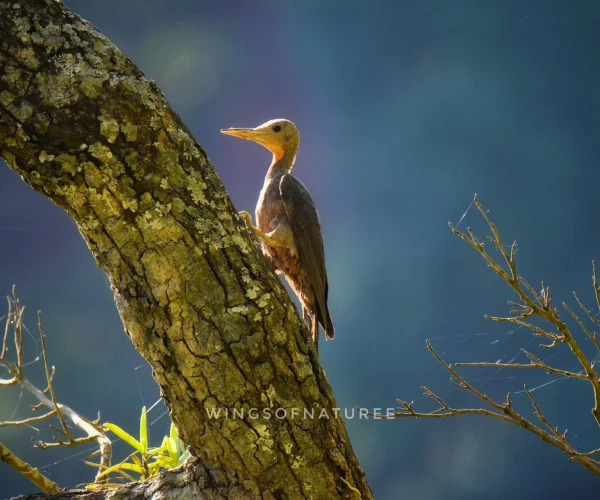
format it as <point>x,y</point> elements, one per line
<point>81,124</point>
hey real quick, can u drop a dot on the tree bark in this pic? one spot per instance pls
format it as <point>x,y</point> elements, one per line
<point>81,124</point>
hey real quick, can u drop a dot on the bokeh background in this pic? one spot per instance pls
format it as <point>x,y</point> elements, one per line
<point>406,109</point>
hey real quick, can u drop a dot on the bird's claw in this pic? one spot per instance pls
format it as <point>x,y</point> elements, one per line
<point>247,219</point>
<point>257,232</point>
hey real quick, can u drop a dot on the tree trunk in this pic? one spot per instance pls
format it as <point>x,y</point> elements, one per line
<point>81,124</point>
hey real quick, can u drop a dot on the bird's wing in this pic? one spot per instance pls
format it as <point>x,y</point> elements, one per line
<point>304,221</point>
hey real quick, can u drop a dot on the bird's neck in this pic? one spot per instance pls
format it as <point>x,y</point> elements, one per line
<point>282,164</point>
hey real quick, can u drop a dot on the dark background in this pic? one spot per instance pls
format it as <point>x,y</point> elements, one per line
<point>405,109</point>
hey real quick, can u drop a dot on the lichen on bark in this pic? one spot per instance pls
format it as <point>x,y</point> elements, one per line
<point>81,124</point>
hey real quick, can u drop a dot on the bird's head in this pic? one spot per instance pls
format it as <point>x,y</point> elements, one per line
<point>278,136</point>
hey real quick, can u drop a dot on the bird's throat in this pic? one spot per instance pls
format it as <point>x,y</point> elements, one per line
<point>282,163</point>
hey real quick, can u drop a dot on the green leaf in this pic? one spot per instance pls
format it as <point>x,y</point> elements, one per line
<point>184,456</point>
<point>166,462</point>
<point>154,468</point>
<point>93,464</point>
<point>131,479</point>
<point>157,451</point>
<point>118,467</point>
<point>174,434</point>
<point>172,448</point>
<point>144,432</point>
<point>128,438</point>
<point>136,460</point>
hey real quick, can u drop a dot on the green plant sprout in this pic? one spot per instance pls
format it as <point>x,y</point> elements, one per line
<point>144,461</point>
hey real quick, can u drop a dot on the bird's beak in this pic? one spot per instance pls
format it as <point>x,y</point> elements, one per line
<point>250,134</point>
<point>260,135</point>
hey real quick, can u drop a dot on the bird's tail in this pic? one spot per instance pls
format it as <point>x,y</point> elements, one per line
<point>329,330</point>
<point>315,332</point>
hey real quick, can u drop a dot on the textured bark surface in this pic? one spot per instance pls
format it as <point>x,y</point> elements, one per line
<point>82,125</point>
<point>191,482</point>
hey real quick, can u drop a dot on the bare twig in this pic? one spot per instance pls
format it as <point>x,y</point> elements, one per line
<point>9,381</point>
<point>59,414</point>
<point>535,363</point>
<point>9,317</point>
<point>544,420</point>
<point>71,442</point>
<point>28,421</point>
<point>593,337</point>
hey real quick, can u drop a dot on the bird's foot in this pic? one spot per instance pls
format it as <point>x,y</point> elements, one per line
<point>269,240</point>
<point>248,220</point>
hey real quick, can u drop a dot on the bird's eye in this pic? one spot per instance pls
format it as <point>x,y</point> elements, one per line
<point>276,128</point>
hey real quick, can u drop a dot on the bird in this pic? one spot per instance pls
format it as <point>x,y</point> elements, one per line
<point>288,225</point>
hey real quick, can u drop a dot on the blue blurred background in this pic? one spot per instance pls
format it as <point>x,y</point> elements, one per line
<point>405,109</point>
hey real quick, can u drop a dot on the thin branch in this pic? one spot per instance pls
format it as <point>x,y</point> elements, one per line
<point>524,366</point>
<point>539,414</point>
<point>590,453</point>
<point>9,381</point>
<point>18,329</point>
<point>408,411</point>
<point>535,363</point>
<point>593,337</point>
<point>463,383</point>
<point>71,442</point>
<point>595,283</point>
<point>28,421</point>
<point>539,332</point>
<point>531,291</point>
<point>28,471</point>
<point>580,323</point>
<point>59,414</point>
<point>9,318</point>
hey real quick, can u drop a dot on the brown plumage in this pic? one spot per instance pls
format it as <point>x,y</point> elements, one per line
<point>288,223</point>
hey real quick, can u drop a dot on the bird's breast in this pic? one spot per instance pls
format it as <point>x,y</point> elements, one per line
<point>269,207</point>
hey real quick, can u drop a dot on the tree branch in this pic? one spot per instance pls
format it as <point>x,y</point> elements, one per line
<point>535,363</point>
